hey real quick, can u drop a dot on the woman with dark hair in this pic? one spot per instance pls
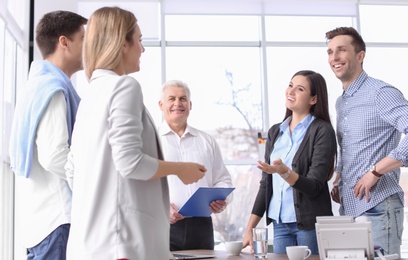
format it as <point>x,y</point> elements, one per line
<point>299,160</point>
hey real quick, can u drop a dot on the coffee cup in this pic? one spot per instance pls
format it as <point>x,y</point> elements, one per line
<point>233,247</point>
<point>298,252</point>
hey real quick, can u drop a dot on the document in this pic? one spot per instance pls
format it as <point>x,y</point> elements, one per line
<point>199,203</point>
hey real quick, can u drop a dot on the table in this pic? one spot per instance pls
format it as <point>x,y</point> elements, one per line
<point>244,255</point>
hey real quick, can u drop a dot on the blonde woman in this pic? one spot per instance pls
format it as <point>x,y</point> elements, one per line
<point>120,207</point>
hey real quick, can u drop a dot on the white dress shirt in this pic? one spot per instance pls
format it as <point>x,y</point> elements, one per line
<point>193,146</point>
<point>44,199</point>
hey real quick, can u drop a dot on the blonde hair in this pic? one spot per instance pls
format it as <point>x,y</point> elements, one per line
<point>108,28</point>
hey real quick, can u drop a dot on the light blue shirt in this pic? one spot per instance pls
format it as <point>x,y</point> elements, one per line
<point>281,207</point>
<point>371,116</point>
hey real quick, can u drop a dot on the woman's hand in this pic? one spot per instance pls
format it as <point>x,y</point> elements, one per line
<point>191,172</point>
<point>277,166</point>
<point>247,240</point>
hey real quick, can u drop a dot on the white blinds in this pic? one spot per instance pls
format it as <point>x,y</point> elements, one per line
<point>256,7</point>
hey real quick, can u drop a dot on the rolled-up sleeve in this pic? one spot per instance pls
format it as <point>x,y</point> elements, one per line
<point>393,108</point>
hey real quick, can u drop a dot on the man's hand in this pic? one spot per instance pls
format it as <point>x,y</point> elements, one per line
<point>335,195</point>
<point>217,206</point>
<point>174,215</point>
<point>191,173</point>
<point>364,186</point>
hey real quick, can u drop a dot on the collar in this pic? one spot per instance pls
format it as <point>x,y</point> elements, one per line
<point>165,130</point>
<point>100,73</point>
<point>355,86</point>
<point>304,123</point>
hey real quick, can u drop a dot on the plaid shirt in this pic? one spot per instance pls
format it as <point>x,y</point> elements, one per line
<point>371,115</point>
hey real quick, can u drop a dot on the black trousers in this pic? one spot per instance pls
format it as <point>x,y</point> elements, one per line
<point>192,233</point>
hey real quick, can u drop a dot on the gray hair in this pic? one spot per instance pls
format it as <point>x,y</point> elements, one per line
<point>177,83</point>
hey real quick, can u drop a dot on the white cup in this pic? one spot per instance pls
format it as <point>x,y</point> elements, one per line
<point>233,247</point>
<point>298,252</point>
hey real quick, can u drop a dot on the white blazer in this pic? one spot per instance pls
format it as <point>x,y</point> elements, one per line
<point>117,212</point>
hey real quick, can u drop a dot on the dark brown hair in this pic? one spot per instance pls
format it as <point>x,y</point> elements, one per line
<point>318,88</point>
<point>357,42</point>
<point>54,25</point>
<point>320,110</point>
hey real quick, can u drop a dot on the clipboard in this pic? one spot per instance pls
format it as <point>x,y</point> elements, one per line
<point>198,205</point>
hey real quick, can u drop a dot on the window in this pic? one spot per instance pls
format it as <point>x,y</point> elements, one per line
<point>13,72</point>
<point>379,57</point>
<point>293,59</point>
<point>2,81</point>
<point>8,92</point>
<point>149,78</point>
<point>147,13</point>
<point>19,10</point>
<point>212,28</point>
<point>230,224</point>
<point>12,57</point>
<point>382,23</point>
<point>302,28</point>
<point>225,87</point>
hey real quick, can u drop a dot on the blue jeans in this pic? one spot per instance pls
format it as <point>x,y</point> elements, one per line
<point>288,234</point>
<point>387,220</point>
<point>54,246</point>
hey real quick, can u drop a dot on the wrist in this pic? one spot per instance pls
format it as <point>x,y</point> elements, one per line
<point>374,172</point>
<point>286,174</point>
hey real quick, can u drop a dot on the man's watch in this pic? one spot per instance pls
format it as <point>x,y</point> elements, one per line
<point>286,174</point>
<point>373,171</point>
